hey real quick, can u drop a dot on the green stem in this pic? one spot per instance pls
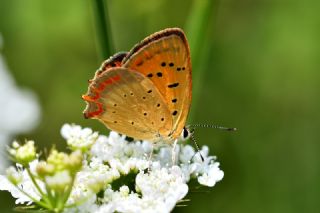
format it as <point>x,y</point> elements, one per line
<point>51,198</point>
<point>103,27</point>
<point>39,203</point>
<point>59,200</point>
<point>34,182</point>
<point>69,190</point>
<point>44,196</point>
<point>197,27</point>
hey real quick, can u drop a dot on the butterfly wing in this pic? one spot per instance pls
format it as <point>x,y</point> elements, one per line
<point>128,102</point>
<point>164,58</point>
<point>113,61</point>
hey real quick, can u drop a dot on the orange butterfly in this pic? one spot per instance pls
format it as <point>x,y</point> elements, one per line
<point>145,93</point>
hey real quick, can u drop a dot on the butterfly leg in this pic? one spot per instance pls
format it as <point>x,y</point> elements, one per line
<point>173,152</point>
<point>150,158</point>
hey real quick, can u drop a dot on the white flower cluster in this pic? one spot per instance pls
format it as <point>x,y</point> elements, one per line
<point>78,138</point>
<point>158,185</point>
<point>122,176</point>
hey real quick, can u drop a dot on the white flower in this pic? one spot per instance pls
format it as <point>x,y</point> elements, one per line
<point>59,181</point>
<point>163,186</point>
<point>6,185</point>
<point>212,175</point>
<point>25,184</point>
<point>186,154</point>
<point>159,190</point>
<point>78,138</point>
<point>93,177</point>
<point>13,175</point>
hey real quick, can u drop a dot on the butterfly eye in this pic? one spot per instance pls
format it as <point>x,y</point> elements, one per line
<point>185,134</point>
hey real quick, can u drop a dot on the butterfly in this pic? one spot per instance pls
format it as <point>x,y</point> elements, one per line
<point>145,93</point>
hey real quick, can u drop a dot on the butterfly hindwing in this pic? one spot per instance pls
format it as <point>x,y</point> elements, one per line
<point>164,58</point>
<point>128,102</point>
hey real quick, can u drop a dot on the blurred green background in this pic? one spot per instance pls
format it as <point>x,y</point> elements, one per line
<point>256,67</point>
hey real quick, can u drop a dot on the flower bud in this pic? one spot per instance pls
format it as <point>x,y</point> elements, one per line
<point>44,169</point>
<point>24,154</point>
<point>15,145</point>
<point>58,159</point>
<point>75,161</point>
<point>124,191</point>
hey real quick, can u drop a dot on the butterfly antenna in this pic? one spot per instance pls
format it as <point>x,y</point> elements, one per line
<point>213,127</point>
<point>195,142</point>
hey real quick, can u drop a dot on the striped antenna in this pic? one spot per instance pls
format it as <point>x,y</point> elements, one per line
<point>212,126</point>
<point>192,127</point>
<point>195,142</point>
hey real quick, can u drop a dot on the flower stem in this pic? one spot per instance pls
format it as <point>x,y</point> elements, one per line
<point>103,27</point>
<point>68,192</point>
<point>34,181</point>
<point>51,198</point>
<point>39,203</point>
<point>44,197</point>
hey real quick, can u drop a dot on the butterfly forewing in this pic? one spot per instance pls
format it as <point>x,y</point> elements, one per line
<point>128,102</point>
<point>113,61</point>
<point>164,58</point>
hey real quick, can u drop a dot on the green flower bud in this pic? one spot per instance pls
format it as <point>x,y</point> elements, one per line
<point>43,169</point>
<point>58,159</point>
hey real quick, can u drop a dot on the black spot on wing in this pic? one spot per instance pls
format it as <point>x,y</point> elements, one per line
<point>173,85</point>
